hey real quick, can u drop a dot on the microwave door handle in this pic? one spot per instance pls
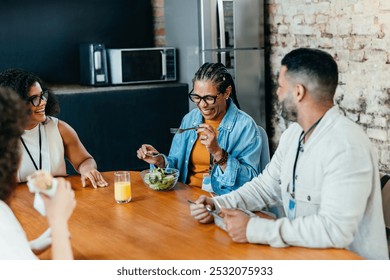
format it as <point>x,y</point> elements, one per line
<point>221,22</point>
<point>97,57</point>
<point>164,65</point>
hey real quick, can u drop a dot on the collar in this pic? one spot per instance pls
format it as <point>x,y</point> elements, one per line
<point>329,117</point>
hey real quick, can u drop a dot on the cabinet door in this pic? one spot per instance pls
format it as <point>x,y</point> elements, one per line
<point>112,125</point>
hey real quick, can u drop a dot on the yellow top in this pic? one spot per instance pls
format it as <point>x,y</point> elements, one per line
<point>200,159</point>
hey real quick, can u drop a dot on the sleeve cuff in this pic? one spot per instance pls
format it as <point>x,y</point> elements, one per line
<point>261,231</point>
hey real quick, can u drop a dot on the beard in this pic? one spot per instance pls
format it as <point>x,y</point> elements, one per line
<point>289,110</point>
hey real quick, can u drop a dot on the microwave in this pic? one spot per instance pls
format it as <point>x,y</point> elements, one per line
<point>142,65</point>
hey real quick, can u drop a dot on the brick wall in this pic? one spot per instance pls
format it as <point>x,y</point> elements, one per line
<point>158,14</point>
<point>355,32</point>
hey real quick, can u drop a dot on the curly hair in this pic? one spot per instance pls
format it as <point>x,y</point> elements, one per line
<point>21,81</point>
<point>219,75</point>
<point>13,117</point>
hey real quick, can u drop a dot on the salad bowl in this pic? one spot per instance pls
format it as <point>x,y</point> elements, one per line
<point>160,179</point>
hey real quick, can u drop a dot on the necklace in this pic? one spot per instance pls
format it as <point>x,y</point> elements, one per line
<point>40,149</point>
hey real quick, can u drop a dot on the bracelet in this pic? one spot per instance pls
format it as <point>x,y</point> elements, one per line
<point>223,159</point>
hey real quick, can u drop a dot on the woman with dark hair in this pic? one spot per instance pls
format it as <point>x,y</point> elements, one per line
<point>225,148</point>
<point>13,241</point>
<point>47,140</point>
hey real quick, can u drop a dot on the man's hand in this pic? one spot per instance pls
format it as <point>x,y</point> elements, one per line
<point>236,222</point>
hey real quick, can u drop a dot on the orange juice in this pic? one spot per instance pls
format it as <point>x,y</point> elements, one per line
<point>122,192</point>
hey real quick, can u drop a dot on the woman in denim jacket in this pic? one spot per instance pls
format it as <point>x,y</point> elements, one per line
<point>225,148</point>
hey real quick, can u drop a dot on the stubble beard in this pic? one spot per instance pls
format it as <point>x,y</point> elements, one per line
<point>289,110</point>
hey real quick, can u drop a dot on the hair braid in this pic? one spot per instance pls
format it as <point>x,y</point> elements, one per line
<point>219,75</point>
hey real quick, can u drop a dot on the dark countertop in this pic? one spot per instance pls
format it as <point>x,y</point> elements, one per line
<point>75,88</point>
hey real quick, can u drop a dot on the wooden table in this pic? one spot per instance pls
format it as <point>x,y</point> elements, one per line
<point>153,226</point>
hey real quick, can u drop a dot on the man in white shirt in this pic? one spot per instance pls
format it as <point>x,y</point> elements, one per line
<point>324,172</point>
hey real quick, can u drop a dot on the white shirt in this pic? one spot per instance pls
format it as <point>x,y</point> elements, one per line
<point>13,241</point>
<point>52,151</point>
<point>338,194</point>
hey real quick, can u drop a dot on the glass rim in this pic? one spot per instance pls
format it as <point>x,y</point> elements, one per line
<point>122,172</point>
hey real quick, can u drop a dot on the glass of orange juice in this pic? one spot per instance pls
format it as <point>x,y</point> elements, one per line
<point>122,186</point>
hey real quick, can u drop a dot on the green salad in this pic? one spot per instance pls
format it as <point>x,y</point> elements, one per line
<point>160,179</point>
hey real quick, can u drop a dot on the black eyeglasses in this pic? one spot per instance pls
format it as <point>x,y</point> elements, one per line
<point>37,99</point>
<point>209,99</point>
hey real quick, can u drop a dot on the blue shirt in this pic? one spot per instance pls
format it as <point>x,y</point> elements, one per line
<point>238,134</point>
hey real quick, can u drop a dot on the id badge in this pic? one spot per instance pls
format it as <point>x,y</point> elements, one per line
<point>206,184</point>
<point>291,208</point>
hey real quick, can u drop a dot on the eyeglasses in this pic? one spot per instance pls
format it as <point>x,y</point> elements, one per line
<point>209,99</point>
<point>37,99</point>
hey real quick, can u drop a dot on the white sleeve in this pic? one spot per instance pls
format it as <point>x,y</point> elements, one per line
<point>344,194</point>
<point>13,241</point>
<point>261,192</point>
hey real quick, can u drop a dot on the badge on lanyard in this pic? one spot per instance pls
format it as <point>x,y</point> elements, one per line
<point>291,204</point>
<point>291,208</point>
<point>206,184</point>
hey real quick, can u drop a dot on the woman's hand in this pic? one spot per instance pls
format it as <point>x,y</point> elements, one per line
<point>148,153</point>
<point>61,205</point>
<point>95,177</point>
<point>199,212</point>
<point>59,208</point>
<point>89,172</point>
<point>208,137</point>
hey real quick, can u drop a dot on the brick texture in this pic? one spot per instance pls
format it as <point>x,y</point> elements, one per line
<point>158,15</point>
<point>357,34</point>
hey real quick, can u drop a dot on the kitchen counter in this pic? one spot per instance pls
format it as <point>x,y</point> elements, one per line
<point>75,88</point>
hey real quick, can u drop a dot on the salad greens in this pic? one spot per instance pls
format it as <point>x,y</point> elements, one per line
<point>160,179</point>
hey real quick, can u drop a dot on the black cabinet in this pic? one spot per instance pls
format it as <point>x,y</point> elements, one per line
<point>113,122</point>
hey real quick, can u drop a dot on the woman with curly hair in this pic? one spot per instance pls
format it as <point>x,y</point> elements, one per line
<point>13,241</point>
<point>47,141</point>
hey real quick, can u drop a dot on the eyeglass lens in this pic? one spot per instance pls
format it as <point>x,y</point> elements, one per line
<point>209,99</point>
<point>36,99</point>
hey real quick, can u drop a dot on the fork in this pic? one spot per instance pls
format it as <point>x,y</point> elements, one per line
<point>206,206</point>
<point>153,154</point>
<point>181,130</point>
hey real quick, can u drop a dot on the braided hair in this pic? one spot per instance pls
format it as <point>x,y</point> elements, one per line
<point>219,76</point>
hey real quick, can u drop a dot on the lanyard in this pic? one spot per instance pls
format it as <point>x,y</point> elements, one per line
<point>40,149</point>
<point>301,138</point>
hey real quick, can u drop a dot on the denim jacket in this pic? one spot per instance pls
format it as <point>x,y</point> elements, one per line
<point>238,134</point>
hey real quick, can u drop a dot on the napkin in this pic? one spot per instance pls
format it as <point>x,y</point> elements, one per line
<point>41,182</point>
